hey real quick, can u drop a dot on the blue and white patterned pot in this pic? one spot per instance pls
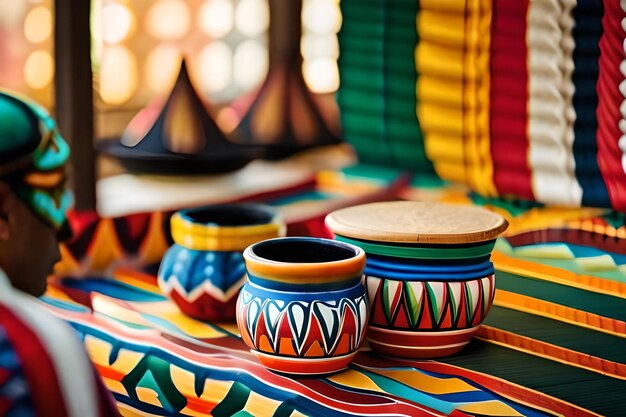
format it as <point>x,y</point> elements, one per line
<point>304,309</point>
<point>204,270</point>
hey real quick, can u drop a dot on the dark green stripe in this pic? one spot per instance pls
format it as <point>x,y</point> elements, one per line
<point>420,252</point>
<point>590,390</point>
<point>569,336</point>
<point>233,402</point>
<point>601,304</point>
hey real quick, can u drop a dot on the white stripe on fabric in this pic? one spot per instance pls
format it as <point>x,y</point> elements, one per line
<point>550,109</point>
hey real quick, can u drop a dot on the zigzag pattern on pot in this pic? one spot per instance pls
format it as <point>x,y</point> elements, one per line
<point>173,284</point>
<point>432,305</point>
<point>297,328</point>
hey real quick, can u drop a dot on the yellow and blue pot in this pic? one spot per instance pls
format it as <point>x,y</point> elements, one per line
<point>204,270</point>
<point>304,309</point>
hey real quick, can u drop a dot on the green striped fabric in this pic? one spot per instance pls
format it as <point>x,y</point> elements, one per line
<point>377,95</point>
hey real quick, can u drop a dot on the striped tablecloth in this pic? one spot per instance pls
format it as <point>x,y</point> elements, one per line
<point>554,342</point>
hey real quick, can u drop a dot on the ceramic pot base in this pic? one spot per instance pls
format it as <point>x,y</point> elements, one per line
<point>305,366</point>
<point>418,345</point>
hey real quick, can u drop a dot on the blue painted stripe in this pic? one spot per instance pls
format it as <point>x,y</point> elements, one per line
<point>352,289</point>
<point>111,288</point>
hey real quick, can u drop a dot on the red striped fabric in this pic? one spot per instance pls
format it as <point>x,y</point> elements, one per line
<point>508,119</point>
<point>609,100</point>
<point>37,366</point>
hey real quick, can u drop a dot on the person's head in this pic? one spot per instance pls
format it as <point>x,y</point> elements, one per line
<point>33,198</point>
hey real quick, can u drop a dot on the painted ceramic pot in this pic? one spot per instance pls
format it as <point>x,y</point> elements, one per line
<point>429,277</point>
<point>204,270</point>
<point>304,309</point>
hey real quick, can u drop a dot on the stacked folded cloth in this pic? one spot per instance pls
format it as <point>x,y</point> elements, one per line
<point>452,61</point>
<point>587,33</point>
<point>610,103</point>
<point>377,93</point>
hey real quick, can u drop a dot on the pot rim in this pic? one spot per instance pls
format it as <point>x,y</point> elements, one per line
<point>305,272</point>
<point>210,236</point>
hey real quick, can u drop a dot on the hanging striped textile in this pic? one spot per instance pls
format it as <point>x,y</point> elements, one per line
<point>514,98</point>
<point>377,92</point>
<point>609,101</point>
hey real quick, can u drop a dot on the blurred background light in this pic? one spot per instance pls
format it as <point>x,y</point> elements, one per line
<point>39,69</point>
<point>168,19</point>
<point>118,75</point>
<point>161,68</point>
<point>322,75</point>
<point>12,13</point>
<point>38,24</point>
<point>215,64</point>
<point>316,46</point>
<point>250,64</point>
<point>216,18</point>
<point>117,22</point>
<point>252,17</point>
<point>137,46</point>
<point>321,16</point>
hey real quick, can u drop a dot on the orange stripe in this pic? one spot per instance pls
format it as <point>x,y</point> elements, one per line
<point>553,352</point>
<point>49,179</point>
<point>562,276</point>
<point>109,373</point>
<point>199,405</point>
<point>559,312</point>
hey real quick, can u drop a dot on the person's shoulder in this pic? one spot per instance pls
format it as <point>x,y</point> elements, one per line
<point>24,314</point>
<point>50,357</point>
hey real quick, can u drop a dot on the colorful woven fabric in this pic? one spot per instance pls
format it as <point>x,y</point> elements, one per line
<point>519,99</point>
<point>609,101</point>
<point>587,32</point>
<point>508,98</point>
<point>550,118</point>
<point>377,92</point>
<point>552,343</point>
<point>158,361</point>
<point>44,370</point>
<point>453,89</point>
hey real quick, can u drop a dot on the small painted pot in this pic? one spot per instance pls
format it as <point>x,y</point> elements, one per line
<point>429,277</point>
<point>204,270</point>
<point>304,309</point>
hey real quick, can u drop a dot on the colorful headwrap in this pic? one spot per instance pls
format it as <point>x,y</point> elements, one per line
<point>32,159</point>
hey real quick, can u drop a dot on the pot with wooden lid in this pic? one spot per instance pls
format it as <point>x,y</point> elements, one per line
<point>429,276</point>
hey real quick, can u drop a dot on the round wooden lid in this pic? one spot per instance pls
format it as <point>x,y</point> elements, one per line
<point>417,222</point>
